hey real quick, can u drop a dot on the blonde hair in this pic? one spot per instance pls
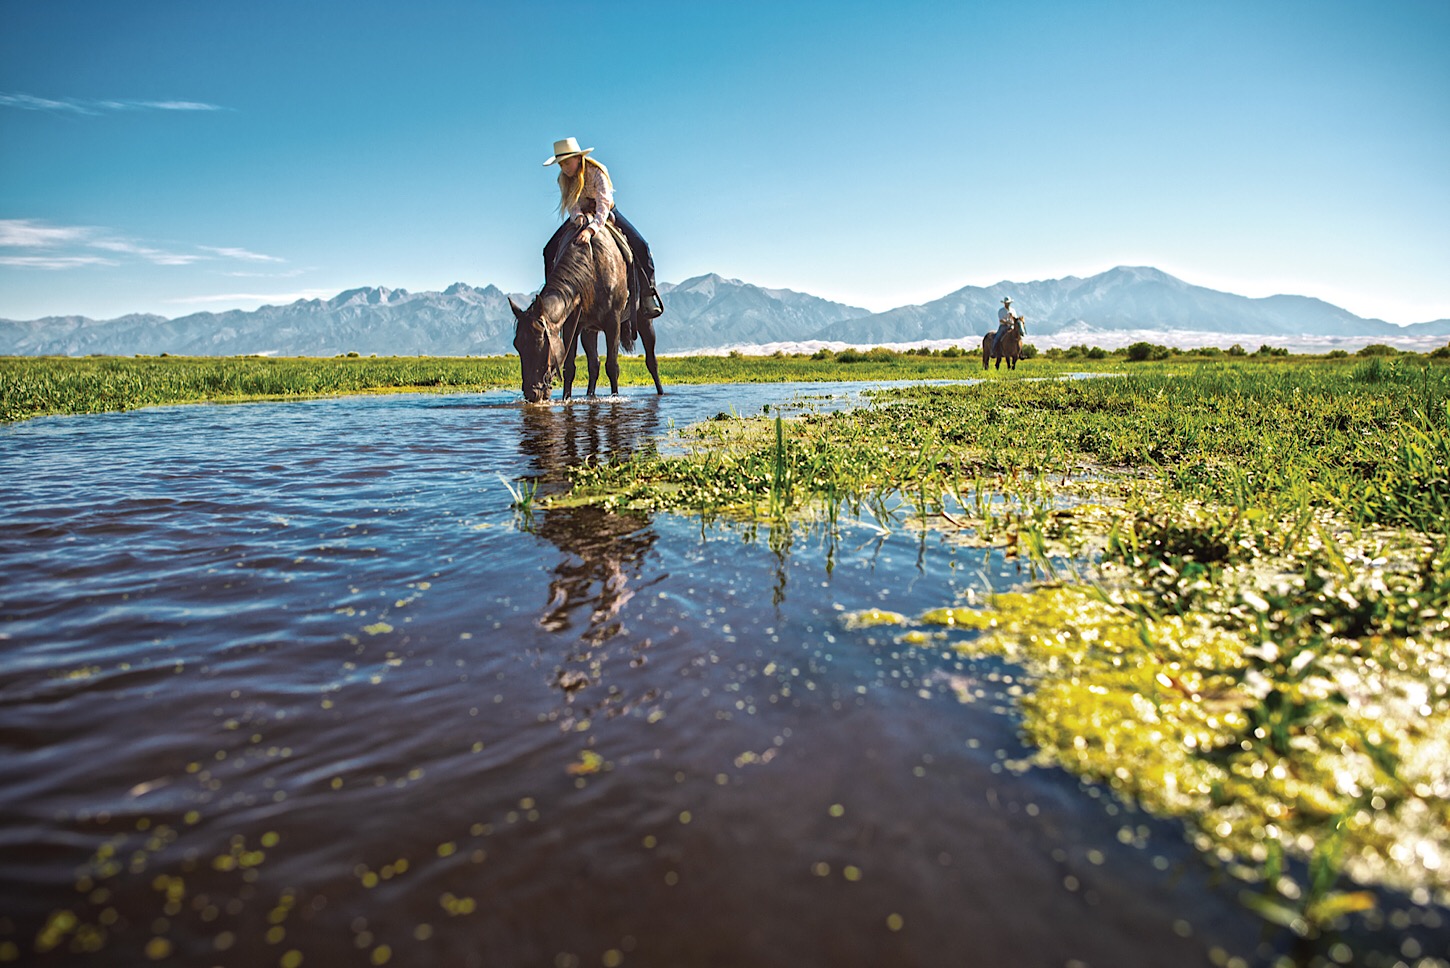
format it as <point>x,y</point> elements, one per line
<point>571,188</point>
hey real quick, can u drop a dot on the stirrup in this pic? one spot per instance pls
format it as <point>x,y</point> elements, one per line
<point>655,307</point>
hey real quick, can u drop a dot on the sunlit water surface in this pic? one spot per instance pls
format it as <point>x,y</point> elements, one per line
<point>295,684</point>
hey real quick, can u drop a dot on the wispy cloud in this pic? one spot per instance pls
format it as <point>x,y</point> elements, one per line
<point>22,233</point>
<point>242,254</point>
<point>87,106</point>
<point>55,261</point>
<point>44,246</point>
<point>155,256</point>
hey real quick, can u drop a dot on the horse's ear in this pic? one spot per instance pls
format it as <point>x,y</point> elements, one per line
<point>518,310</point>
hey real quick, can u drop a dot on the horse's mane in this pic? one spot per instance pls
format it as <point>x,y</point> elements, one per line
<point>573,275</point>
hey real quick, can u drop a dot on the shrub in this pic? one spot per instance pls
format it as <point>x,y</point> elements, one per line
<point>1138,352</point>
<point>1267,350</point>
<point>1096,353</point>
<point>1443,353</point>
<point>822,354</point>
<point>1378,349</point>
<point>1338,354</point>
<point>1237,350</point>
<point>878,354</point>
<point>1029,352</point>
<point>953,351</point>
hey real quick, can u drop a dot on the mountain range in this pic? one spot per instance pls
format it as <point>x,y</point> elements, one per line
<point>710,313</point>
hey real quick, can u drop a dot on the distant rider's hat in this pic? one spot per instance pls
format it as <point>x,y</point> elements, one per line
<point>1007,300</point>
<point>567,148</point>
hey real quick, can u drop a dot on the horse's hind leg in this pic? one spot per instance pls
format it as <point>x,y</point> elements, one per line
<point>647,337</point>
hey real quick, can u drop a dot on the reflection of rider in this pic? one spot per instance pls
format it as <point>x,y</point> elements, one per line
<point>585,189</point>
<point>1005,316</point>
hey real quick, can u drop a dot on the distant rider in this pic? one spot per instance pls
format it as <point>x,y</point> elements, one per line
<point>1005,316</point>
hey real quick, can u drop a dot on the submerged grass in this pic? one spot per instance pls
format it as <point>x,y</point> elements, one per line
<point>1249,622</point>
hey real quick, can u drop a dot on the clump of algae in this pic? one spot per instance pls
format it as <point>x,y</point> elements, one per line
<point>1281,715</point>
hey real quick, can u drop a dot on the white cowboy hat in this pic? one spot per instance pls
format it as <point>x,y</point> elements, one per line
<point>567,148</point>
<point>1007,301</point>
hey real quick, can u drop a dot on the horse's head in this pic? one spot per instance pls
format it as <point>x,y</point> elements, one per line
<point>540,347</point>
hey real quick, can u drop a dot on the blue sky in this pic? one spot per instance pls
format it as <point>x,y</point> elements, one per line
<point>170,156</point>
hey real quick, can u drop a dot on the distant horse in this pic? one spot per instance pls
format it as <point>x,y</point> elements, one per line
<point>1009,347</point>
<point>586,293</point>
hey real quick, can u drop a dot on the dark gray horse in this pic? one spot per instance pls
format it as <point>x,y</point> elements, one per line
<point>587,293</point>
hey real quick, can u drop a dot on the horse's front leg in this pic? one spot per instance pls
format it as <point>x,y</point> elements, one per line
<point>572,348</point>
<point>591,354</point>
<point>569,375</point>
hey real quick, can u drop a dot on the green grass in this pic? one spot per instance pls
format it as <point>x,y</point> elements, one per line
<point>1365,439</point>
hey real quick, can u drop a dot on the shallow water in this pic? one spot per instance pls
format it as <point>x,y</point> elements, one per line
<point>294,684</point>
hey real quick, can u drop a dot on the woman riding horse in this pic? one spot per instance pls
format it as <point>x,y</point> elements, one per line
<point>585,189</point>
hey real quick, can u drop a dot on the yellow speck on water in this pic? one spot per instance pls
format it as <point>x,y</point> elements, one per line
<point>291,959</point>
<point>9,951</point>
<point>158,948</point>
<point>685,816</point>
<point>851,873</point>
<point>447,849</point>
<point>836,810</point>
<point>377,628</point>
<point>423,932</point>
<point>381,954</point>
<point>588,762</point>
<point>894,922</point>
<point>270,838</point>
<point>613,958</point>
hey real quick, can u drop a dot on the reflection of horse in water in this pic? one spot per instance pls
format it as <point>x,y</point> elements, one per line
<point>603,550</point>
